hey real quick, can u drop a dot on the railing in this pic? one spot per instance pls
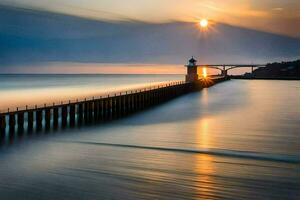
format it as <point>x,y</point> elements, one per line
<point>82,100</point>
<point>95,109</point>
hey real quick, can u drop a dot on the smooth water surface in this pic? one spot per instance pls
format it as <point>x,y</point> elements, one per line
<point>236,140</point>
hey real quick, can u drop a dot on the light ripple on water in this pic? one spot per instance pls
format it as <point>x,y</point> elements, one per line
<point>219,152</point>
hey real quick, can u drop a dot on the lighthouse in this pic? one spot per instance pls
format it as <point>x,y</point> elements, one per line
<point>192,74</point>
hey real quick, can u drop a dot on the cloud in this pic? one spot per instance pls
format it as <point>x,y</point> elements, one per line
<point>277,9</point>
<point>254,14</point>
<point>29,37</point>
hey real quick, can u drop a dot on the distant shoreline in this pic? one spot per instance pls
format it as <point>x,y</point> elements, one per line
<point>267,78</point>
<point>76,74</point>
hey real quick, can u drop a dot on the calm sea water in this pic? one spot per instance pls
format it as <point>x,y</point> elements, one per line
<point>237,140</point>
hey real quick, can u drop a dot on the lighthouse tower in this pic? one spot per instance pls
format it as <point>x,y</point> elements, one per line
<point>192,74</point>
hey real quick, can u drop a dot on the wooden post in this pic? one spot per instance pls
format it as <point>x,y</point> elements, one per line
<point>101,110</point>
<point>72,114</point>
<point>109,108</point>
<point>90,112</point>
<point>104,109</point>
<point>158,93</point>
<point>47,118</point>
<point>112,103</point>
<point>163,94</point>
<point>139,101</point>
<point>20,116</point>
<point>148,95</point>
<point>86,112</point>
<point>146,99</point>
<point>123,105</point>
<point>12,122</point>
<point>143,99</point>
<point>117,105</point>
<point>166,93</point>
<point>55,117</point>
<point>80,113</point>
<point>30,121</point>
<point>2,125</point>
<point>152,97</point>
<point>157,96</point>
<point>136,99</point>
<point>128,103</point>
<point>64,116</point>
<point>39,120</point>
<point>96,110</point>
<point>133,102</point>
<point>170,92</point>
<point>113,107</point>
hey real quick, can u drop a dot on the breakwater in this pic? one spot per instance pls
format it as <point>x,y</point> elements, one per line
<point>95,110</point>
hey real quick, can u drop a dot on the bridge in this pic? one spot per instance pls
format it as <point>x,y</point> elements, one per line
<point>192,68</point>
<point>224,68</point>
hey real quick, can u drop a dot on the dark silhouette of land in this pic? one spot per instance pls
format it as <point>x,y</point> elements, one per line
<point>284,70</point>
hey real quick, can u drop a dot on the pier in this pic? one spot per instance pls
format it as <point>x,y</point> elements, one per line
<point>95,110</point>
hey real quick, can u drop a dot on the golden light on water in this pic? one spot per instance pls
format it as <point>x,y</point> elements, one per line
<point>203,23</point>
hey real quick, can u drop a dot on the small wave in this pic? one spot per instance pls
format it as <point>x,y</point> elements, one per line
<point>218,152</point>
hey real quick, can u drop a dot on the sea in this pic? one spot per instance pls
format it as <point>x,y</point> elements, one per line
<point>239,139</point>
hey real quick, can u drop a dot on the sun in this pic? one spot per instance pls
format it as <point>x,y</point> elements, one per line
<point>203,23</point>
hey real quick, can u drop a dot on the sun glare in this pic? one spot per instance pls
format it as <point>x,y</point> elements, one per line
<point>203,23</point>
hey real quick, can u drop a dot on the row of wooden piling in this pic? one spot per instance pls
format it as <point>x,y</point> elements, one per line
<point>88,111</point>
<point>95,110</point>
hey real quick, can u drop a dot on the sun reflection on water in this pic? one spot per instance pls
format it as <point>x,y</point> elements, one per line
<point>203,138</point>
<point>205,181</point>
<point>204,72</point>
<point>204,168</point>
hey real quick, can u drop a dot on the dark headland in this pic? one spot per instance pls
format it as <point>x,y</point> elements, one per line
<point>277,71</point>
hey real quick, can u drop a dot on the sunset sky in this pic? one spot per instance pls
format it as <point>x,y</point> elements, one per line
<point>276,16</point>
<point>128,36</point>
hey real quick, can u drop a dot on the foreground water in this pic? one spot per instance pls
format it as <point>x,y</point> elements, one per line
<point>236,140</point>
